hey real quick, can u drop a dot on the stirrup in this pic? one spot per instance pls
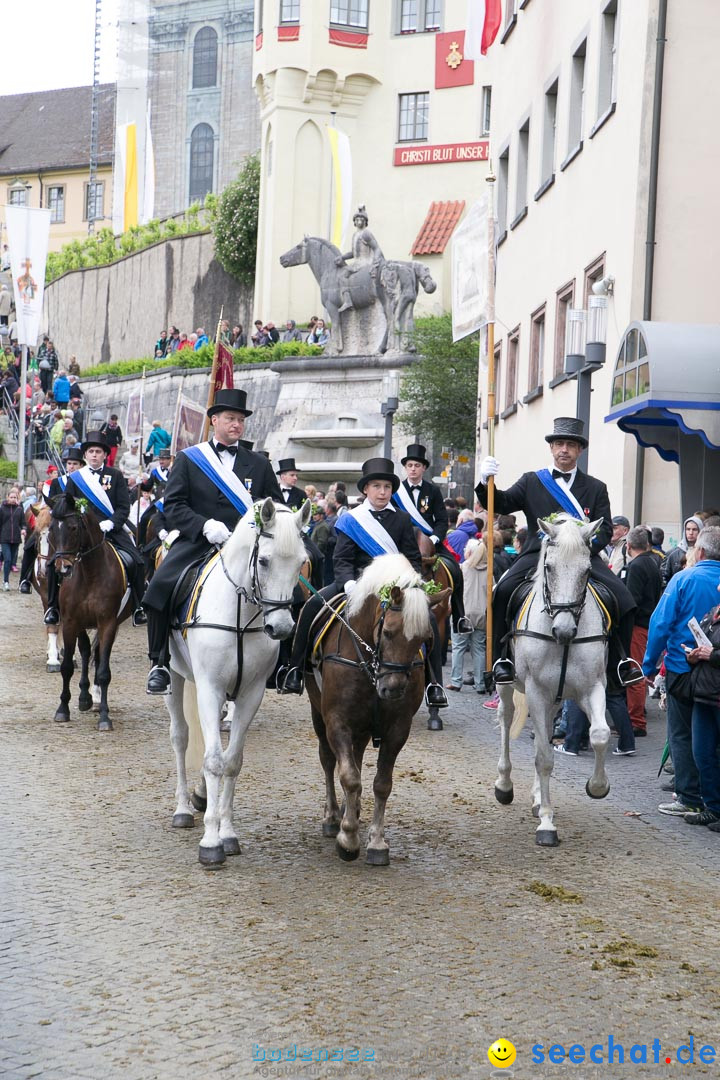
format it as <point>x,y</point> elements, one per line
<point>632,672</point>
<point>435,690</point>
<point>51,616</point>
<point>139,618</point>
<point>296,678</point>
<point>158,680</point>
<point>504,672</point>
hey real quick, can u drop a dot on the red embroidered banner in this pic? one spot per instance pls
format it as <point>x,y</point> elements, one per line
<point>451,67</point>
<point>289,33</point>
<point>258,41</point>
<point>348,39</point>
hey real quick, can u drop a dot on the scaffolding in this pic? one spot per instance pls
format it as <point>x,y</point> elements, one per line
<point>94,120</point>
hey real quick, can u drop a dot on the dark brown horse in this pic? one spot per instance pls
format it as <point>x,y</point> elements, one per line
<point>92,590</point>
<point>434,569</point>
<point>370,685</point>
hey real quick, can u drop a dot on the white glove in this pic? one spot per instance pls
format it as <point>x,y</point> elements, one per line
<point>107,525</point>
<point>435,539</point>
<point>215,532</point>
<point>489,466</point>
<point>349,586</point>
<point>162,534</point>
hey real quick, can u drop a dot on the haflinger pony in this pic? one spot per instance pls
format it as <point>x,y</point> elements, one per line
<point>434,569</point>
<point>93,595</point>
<point>368,683</point>
<point>560,637</point>
<point>246,588</point>
<point>38,579</point>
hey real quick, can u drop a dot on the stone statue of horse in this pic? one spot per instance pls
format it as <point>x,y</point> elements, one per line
<point>560,637</point>
<point>391,285</point>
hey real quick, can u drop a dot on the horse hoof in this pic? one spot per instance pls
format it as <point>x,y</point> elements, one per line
<point>547,838</point>
<point>183,821</point>
<point>61,717</point>
<point>345,855</point>
<point>104,724</point>
<point>602,795</point>
<point>330,828</point>
<point>231,845</point>
<point>211,857</point>
<point>52,669</point>
<point>199,802</point>
<point>434,723</point>
<point>85,703</point>
<point>504,797</point>
<point>377,857</point>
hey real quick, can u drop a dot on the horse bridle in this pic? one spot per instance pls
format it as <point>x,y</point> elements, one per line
<point>255,596</point>
<point>76,556</point>
<point>574,607</point>
<point>375,667</point>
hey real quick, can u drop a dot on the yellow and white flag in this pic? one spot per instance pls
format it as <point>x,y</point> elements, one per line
<point>130,204</point>
<point>342,186</point>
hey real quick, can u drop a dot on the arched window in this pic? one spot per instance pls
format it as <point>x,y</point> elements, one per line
<point>202,142</point>
<point>205,58</point>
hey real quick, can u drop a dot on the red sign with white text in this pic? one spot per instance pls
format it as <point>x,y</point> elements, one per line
<point>451,67</point>
<point>442,155</point>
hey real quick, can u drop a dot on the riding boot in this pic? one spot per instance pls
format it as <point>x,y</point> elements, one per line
<point>159,652</point>
<point>294,681</point>
<point>622,671</point>
<point>434,693</point>
<point>26,567</point>
<point>346,301</point>
<point>52,613</point>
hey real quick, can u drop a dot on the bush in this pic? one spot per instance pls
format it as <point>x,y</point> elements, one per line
<point>8,469</point>
<point>188,358</point>
<point>235,223</point>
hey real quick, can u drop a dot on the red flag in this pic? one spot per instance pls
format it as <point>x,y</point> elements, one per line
<point>483,22</point>
<point>223,368</point>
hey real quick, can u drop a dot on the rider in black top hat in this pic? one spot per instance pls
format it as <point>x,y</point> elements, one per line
<point>73,461</point>
<point>428,500</point>
<point>204,516</point>
<point>530,495</point>
<point>349,561</point>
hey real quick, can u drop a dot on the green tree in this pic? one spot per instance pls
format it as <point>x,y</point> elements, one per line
<point>439,392</point>
<point>235,223</point>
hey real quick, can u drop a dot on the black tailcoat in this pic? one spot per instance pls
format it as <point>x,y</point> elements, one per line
<point>349,560</point>
<point>115,487</point>
<point>191,499</point>
<point>431,507</point>
<point>295,499</point>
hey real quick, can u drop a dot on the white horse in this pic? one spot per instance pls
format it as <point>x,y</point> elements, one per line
<point>250,587</point>
<point>560,652</point>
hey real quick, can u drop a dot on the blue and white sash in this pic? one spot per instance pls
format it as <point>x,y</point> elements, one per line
<point>159,503</point>
<point>222,477</point>
<point>62,482</point>
<point>561,494</point>
<point>404,500</point>
<point>159,475</point>
<point>86,481</point>
<point>366,532</point>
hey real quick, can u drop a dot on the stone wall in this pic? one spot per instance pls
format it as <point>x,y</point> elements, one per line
<point>116,312</point>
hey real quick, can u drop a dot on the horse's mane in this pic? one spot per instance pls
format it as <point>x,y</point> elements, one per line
<point>284,530</point>
<point>326,243</point>
<point>43,518</point>
<point>395,570</point>
<point>569,542</point>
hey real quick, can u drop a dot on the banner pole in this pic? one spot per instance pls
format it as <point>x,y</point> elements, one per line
<point>213,378</point>
<point>490,531</point>
<point>22,407</point>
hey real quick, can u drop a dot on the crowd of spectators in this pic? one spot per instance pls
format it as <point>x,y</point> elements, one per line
<point>263,335</point>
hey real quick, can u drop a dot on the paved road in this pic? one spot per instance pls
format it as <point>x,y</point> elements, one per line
<point>121,958</point>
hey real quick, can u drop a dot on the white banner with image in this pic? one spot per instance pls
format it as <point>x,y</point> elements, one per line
<point>28,232</point>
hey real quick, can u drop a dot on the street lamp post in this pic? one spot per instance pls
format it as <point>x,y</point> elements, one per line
<point>585,344</point>
<point>391,389</point>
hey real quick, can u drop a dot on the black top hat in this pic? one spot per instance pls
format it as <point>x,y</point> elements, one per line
<point>165,454</point>
<point>232,400</point>
<point>74,454</point>
<point>568,427</point>
<point>265,453</point>
<point>94,438</point>
<point>286,464</point>
<point>378,468</point>
<point>416,452</point>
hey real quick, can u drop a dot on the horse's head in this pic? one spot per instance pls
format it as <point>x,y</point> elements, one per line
<point>400,612</point>
<point>43,521</point>
<point>296,256</point>
<point>276,559</point>
<point>563,572</point>
<point>73,531</point>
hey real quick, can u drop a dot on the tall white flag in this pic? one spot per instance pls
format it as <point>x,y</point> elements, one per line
<point>342,184</point>
<point>149,179</point>
<point>28,230</point>
<point>473,279</point>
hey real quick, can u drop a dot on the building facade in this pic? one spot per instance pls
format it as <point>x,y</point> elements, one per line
<point>391,75</point>
<point>576,93</point>
<point>45,158</point>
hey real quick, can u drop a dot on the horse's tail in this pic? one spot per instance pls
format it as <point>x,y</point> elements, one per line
<point>424,277</point>
<point>520,714</point>
<point>196,744</point>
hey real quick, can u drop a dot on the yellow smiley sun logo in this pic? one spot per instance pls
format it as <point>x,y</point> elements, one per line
<point>501,1054</point>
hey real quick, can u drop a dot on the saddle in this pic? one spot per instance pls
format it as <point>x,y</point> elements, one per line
<point>322,623</point>
<point>188,589</point>
<point>605,600</point>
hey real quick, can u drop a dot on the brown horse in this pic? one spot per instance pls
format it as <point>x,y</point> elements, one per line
<point>38,580</point>
<point>92,590</point>
<point>370,685</point>
<point>434,569</point>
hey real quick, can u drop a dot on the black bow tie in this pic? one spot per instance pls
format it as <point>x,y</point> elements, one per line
<point>96,472</point>
<point>287,490</point>
<point>378,514</point>
<point>415,487</point>
<point>557,475</point>
<point>219,447</point>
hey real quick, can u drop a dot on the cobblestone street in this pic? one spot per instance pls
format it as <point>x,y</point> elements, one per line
<point>121,958</point>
